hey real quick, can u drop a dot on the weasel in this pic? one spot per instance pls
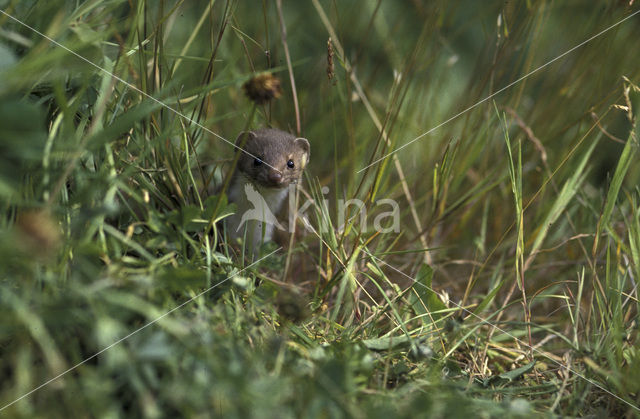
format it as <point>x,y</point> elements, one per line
<point>260,184</point>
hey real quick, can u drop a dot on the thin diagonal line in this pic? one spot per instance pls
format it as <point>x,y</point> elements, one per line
<point>505,332</point>
<point>131,86</point>
<point>137,330</point>
<point>501,90</point>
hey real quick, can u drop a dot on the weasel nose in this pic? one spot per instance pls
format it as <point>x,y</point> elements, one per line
<point>275,177</point>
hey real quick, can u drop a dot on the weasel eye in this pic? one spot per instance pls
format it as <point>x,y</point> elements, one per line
<point>290,164</point>
<point>257,162</point>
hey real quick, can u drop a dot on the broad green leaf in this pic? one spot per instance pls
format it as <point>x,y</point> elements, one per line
<point>510,376</point>
<point>7,59</point>
<point>387,343</point>
<point>423,298</point>
<point>567,193</point>
<point>626,158</point>
<point>489,298</point>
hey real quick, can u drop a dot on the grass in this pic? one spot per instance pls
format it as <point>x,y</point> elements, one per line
<point>510,288</point>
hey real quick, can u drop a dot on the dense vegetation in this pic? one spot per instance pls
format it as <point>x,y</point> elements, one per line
<point>510,288</point>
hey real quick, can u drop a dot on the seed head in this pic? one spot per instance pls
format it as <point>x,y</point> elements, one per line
<point>263,88</point>
<point>330,69</point>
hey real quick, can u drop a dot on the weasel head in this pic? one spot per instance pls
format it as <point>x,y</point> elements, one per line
<point>277,158</point>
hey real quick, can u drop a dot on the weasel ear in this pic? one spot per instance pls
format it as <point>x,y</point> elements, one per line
<point>303,144</point>
<point>244,137</point>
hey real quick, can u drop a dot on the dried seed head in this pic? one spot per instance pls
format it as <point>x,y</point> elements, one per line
<point>262,88</point>
<point>330,69</point>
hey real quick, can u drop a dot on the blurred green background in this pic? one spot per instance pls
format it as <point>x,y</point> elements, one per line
<point>107,223</point>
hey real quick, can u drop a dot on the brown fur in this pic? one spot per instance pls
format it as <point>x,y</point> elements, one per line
<point>265,165</point>
<point>274,148</point>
